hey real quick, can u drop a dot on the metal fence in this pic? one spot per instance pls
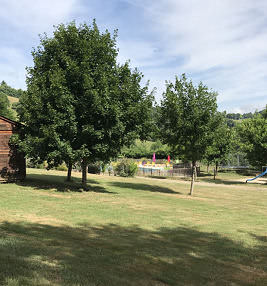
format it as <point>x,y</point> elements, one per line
<point>178,172</point>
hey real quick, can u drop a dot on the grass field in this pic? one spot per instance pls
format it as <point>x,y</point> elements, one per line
<point>132,231</point>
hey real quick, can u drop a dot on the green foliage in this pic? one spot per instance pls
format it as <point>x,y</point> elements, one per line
<point>222,142</point>
<point>234,116</point>
<point>253,138</point>
<point>238,116</point>
<point>32,164</point>
<point>9,91</point>
<point>62,167</point>
<point>94,168</point>
<point>145,149</point>
<point>15,106</point>
<point>126,168</point>
<point>80,104</point>
<point>5,109</point>
<point>188,118</point>
<point>237,158</point>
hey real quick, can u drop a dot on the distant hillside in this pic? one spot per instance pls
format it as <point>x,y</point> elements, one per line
<point>9,97</point>
<point>235,118</point>
<point>12,99</point>
<point>10,91</point>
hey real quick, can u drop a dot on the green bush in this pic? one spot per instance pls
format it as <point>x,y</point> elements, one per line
<point>94,168</point>
<point>32,164</point>
<point>126,168</point>
<point>97,167</point>
<point>62,167</point>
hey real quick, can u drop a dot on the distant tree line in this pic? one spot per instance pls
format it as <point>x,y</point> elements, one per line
<point>10,91</point>
<point>239,116</point>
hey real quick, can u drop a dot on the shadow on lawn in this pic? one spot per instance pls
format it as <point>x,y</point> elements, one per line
<point>228,182</point>
<point>221,181</point>
<point>143,187</point>
<point>59,183</point>
<point>37,254</point>
<point>204,174</point>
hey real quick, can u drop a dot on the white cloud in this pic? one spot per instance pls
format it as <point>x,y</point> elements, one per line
<point>36,16</point>
<point>21,22</point>
<point>224,43</point>
<point>142,53</point>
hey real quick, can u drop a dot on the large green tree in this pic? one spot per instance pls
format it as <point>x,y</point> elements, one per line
<point>81,105</point>
<point>188,119</point>
<point>253,138</point>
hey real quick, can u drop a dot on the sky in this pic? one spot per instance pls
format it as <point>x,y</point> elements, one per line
<point>222,43</point>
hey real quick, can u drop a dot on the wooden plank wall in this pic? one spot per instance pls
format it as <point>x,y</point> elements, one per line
<point>10,162</point>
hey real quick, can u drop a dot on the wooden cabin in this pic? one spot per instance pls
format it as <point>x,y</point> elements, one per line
<point>12,162</point>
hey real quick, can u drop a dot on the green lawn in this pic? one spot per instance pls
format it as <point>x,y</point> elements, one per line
<point>132,231</point>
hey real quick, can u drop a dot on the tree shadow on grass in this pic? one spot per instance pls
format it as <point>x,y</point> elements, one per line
<point>258,237</point>
<point>143,187</point>
<point>227,182</point>
<point>204,174</point>
<point>157,177</point>
<point>221,181</point>
<point>59,183</point>
<point>242,172</point>
<point>38,254</point>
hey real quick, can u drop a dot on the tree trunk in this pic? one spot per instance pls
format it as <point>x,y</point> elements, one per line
<point>84,174</point>
<point>216,168</point>
<point>208,167</point>
<point>193,178</point>
<point>69,172</point>
<point>214,173</point>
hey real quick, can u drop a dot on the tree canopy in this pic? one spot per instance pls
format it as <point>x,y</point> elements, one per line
<point>188,119</point>
<point>81,105</point>
<point>253,139</point>
<point>222,141</point>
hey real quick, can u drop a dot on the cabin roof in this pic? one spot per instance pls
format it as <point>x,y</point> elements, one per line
<point>9,120</point>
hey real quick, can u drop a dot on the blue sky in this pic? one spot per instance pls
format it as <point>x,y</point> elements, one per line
<point>221,43</point>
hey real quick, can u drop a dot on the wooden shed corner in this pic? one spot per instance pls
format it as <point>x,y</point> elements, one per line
<point>12,162</point>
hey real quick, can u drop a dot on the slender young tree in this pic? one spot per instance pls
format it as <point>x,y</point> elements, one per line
<point>81,105</point>
<point>222,143</point>
<point>188,119</point>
